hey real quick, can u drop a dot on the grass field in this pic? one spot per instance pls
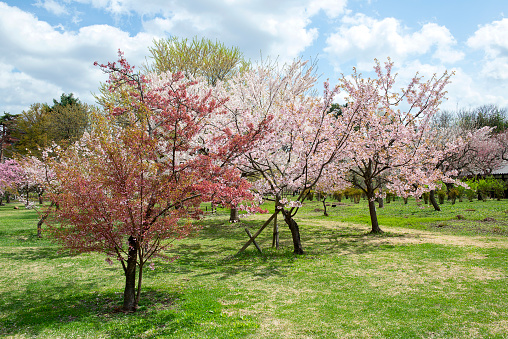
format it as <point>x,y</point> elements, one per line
<point>430,275</point>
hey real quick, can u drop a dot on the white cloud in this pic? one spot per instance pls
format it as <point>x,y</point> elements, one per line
<point>18,85</point>
<point>277,28</point>
<point>362,39</point>
<point>493,40</point>
<point>52,6</point>
<point>44,62</point>
<point>332,8</point>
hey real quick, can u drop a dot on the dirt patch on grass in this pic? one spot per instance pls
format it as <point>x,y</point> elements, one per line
<point>487,226</point>
<point>411,236</point>
<point>418,237</point>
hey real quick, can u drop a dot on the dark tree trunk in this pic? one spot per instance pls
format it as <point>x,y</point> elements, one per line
<point>324,207</point>
<point>129,294</point>
<point>370,193</point>
<point>373,217</point>
<point>275,239</point>
<point>233,215</point>
<point>8,197</point>
<point>432,199</point>
<point>39,225</point>
<point>380,202</point>
<point>40,199</point>
<point>295,232</point>
<point>41,221</point>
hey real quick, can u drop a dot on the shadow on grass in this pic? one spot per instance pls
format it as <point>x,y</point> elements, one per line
<point>161,313</point>
<point>213,252</point>
<point>35,253</point>
<point>350,240</point>
<point>34,313</point>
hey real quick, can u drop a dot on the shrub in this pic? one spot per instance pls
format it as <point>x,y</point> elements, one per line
<point>453,194</point>
<point>441,194</point>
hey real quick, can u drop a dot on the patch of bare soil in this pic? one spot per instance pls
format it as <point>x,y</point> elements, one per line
<point>412,236</point>
<point>484,227</point>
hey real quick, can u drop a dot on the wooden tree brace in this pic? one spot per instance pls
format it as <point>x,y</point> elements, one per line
<point>254,241</point>
<point>258,232</point>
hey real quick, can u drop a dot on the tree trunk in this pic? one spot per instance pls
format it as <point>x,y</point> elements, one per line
<point>233,215</point>
<point>140,278</point>
<point>324,206</point>
<point>380,202</point>
<point>41,221</point>
<point>275,240</point>
<point>432,199</point>
<point>129,294</point>
<point>39,225</point>
<point>295,232</point>
<point>41,200</point>
<point>373,217</point>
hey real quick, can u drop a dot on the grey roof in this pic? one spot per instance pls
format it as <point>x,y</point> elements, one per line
<point>502,170</point>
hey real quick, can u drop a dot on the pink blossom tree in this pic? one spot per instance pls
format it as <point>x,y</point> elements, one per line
<point>37,172</point>
<point>458,149</point>
<point>391,146</point>
<point>12,176</point>
<point>502,140</point>
<point>38,178</point>
<point>129,186</point>
<point>487,151</point>
<point>303,136</point>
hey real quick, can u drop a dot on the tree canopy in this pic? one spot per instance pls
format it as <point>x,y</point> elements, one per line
<point>197,57</point>
<point>62,123</point>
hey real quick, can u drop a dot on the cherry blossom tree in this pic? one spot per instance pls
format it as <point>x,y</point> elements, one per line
<point>38,174</point>
<point>502,140</point>
<point>12,177</point>
<point>38,177</point>
<point>391,147</point>
<point>130,186</point>
<point>303,135</point>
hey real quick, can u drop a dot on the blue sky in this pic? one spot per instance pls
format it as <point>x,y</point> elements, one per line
<point>47,47</point>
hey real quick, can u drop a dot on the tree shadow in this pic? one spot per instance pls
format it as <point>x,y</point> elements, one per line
<point>348,240</point>
<point>160,314</point>
<point>33,312</point>
<point>36,253</point>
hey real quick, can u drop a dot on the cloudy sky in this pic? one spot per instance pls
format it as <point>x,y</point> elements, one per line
<point>47,47</point>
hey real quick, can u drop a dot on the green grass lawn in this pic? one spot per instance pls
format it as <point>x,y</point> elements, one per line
<point>430,275</point>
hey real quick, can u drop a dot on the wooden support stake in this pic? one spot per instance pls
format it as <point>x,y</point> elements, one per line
<point>258,232</point>
<point>254,241</point>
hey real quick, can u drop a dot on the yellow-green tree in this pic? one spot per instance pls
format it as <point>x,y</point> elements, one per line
<point>197,57</point>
